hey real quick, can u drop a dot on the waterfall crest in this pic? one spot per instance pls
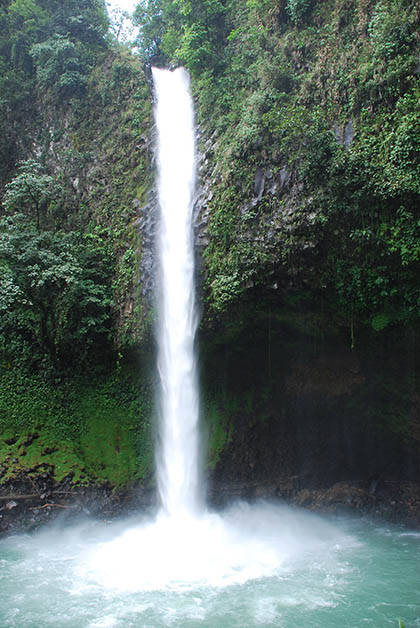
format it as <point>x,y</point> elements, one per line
<point>177,455</point>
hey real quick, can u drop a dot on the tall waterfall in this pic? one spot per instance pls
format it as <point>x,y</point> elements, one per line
<point>187,546</point>
<point>177,456</point>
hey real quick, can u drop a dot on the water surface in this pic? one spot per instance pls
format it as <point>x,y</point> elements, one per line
<point>252,566</point>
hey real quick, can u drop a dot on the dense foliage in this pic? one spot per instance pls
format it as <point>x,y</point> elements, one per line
<point>321,101</point>
<point>54,293</point>
<point>51,40</point>
<point>74,125</point>
<point>69,246</point>
<point>310,133</point>
<point>185,31</point>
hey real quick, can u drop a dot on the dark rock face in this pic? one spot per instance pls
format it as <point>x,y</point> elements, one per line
<point>26,504</point>
<point>398,502</point>
<point>394,501</point>
<point>348,133</point>
<point>318,423</point>
<point>147,226</point>
<point>259,185</point>
<point>344,135</point>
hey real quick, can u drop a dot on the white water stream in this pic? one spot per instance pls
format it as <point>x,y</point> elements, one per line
<point>251,566</point>
<point>177,455</point>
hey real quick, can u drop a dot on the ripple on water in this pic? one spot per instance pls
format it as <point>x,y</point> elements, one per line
<point>250,566</point>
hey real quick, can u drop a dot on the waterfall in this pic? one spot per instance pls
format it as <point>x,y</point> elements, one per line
<point>186,545</point>
<point>177,455</point>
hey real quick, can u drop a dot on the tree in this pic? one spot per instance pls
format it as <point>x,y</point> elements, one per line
<point>297,9</point>
<point>28,23</point>
<point>120,25</point>
<point>54,293</point>
<point>60,65</point>
<point>192,32</point>
<point>30,191</point>
<point>85,21</point>
<point>148,16</point>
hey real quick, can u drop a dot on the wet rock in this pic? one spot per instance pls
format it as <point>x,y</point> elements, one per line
<point>344,135</point>
<point>49,450</point>
<point>46,499</point>
<point>348,135</point>
<point>337,132</point>
<point>30,439</point>
<point>147,225</point>
<point>259,185</point>
<point>284,177</point>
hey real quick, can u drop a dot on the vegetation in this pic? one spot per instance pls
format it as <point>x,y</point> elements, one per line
<point>310,126</point>
<point>73,160</point>
<point>308,115</point>
<point>186,32</point>
<point>335,129</point>
<point>54,294</point>
<point>95,430</point>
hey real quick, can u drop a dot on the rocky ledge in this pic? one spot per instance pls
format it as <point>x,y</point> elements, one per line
<point>26,504</point>
<point>397,502</point>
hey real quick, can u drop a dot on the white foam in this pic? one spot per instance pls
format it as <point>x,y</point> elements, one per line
<point>185,552</point>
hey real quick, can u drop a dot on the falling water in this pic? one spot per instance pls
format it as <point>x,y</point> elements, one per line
<point>177,457</point>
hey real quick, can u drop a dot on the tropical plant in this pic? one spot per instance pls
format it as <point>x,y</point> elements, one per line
<point>31,191</point>
<point>54,293</point>
<point>59,64</point>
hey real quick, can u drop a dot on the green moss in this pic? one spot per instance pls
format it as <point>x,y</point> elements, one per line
<point>219,421</point>
<point>96,432</point>
<point>39,452</point>
<point>141,193</point>
<point>107,443</point>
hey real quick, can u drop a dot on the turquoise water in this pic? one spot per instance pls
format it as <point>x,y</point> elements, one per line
<point>266,566</point>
